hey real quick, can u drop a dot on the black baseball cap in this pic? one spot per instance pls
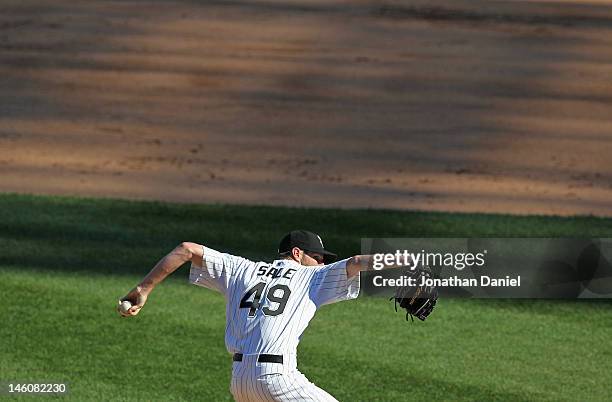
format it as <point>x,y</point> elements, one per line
<point>306,241</point>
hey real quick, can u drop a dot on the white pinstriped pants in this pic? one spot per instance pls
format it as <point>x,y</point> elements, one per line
<point>273,382</point>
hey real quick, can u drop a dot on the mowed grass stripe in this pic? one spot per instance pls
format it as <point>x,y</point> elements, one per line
<point>358,350</point>
<point>64,262</point>
<point>112,236</point>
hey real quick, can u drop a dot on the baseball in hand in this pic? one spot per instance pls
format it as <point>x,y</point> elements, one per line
<point>124,307</point>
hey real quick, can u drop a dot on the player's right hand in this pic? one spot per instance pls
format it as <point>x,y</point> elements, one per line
<point>138,297</point>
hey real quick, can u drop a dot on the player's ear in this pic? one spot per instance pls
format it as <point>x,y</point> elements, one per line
<point>296,254</point>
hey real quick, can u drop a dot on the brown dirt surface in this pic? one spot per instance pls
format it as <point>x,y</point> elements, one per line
<point>473,106</point>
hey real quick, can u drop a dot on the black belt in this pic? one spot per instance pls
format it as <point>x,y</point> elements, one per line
<point>263,358</point>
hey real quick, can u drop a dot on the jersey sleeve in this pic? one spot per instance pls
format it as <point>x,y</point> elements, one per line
<point>218,270</point>
<point>330,284</point>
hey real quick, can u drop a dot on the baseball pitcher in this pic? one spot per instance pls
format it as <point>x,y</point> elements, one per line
<point>268,307</point>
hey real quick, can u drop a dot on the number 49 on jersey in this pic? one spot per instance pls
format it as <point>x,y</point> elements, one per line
<point>252,299</point>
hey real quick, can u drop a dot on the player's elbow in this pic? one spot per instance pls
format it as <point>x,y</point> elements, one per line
<point>187,251</point>
<point>360,261</point>
<point>356,264</point>
<point>356,260</point>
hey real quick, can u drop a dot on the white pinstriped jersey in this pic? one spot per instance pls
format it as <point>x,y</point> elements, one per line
<point>269,305</point>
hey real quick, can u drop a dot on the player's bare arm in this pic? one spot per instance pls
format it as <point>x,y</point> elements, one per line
<point>360,263</point>
<point>184,252</point>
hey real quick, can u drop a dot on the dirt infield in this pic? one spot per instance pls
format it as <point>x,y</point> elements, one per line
<point>435,105</point>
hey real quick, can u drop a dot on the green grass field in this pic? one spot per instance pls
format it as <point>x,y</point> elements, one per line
<point>65,261</point>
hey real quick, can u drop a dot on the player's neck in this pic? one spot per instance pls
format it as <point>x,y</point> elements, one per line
<point>289,259</point>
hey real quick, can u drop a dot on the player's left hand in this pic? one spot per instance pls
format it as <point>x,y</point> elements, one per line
<point>418,301</point>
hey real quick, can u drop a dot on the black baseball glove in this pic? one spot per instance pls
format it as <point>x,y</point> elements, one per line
<point>419,300</point>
